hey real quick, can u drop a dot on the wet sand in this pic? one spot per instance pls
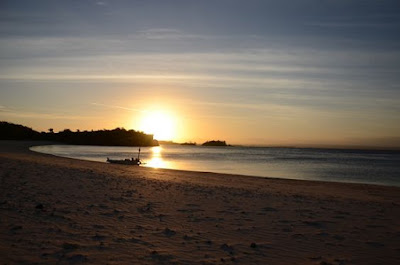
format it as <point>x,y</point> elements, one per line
<point>64,211</point>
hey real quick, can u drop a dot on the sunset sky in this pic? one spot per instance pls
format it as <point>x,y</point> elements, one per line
<point>312,72</point>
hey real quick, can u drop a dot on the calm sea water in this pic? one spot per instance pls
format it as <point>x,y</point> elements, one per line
<point>375,167</point>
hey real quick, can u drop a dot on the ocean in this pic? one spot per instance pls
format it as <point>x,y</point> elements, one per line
<point>354,166</point>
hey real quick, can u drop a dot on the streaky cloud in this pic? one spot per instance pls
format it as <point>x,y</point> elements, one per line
<point>117,107</point>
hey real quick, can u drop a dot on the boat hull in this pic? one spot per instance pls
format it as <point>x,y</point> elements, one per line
<point>134,162</point>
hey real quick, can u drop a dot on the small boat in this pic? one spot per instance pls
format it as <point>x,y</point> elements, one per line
<point>127,161</point>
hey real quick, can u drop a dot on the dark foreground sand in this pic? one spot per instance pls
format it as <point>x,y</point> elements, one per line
<point>64,211</point>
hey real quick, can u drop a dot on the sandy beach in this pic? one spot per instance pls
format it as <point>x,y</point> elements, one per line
<point>63,211</point>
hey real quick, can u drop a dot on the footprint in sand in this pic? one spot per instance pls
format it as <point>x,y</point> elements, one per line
<point>168,232</point>
<point>225,247</point>
<point>314,224</point>
<point>161,257</point>
<point>78,258</point>
<point>374,244</point>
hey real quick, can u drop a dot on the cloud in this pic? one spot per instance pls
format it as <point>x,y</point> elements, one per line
<point>341,24</point>
<point>161,33</point>
<point>101,3</point>
<point>225,81</point>
<point>14,113</point>
<point>3,109</point>
<point>116,107</point>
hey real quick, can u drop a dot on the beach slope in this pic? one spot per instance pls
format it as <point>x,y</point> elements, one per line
<point>64,211</point>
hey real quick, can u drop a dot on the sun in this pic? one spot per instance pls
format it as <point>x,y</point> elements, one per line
<point>159,123</point>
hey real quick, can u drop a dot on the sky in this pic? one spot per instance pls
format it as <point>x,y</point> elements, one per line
<point>298,73</point>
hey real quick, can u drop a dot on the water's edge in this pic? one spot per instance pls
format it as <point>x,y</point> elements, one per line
<point>347,166</point>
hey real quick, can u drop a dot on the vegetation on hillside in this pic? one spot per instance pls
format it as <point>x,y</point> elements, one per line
<point>10,131</point>
<point>116,137</point>
<point>215,143</point>
<point>189,143</point>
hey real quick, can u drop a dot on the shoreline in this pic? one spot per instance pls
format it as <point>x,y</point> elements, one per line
<point>62,210</point>
<point>362,182</point>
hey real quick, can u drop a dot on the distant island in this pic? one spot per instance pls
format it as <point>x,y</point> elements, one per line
<point>174,143</point>
<point>189,143</point>
<point>215,143</point>
<point>116,137</point>
<point>167,142</point>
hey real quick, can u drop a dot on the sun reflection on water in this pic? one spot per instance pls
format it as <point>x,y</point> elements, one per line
<point>156,160</point>
<point>156,150</point>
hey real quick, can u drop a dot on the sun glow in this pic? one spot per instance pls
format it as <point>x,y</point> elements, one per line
<point>159,123</point>
<point>156,160</point>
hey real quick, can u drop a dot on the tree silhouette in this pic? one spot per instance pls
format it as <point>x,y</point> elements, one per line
<point>116,137</point>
